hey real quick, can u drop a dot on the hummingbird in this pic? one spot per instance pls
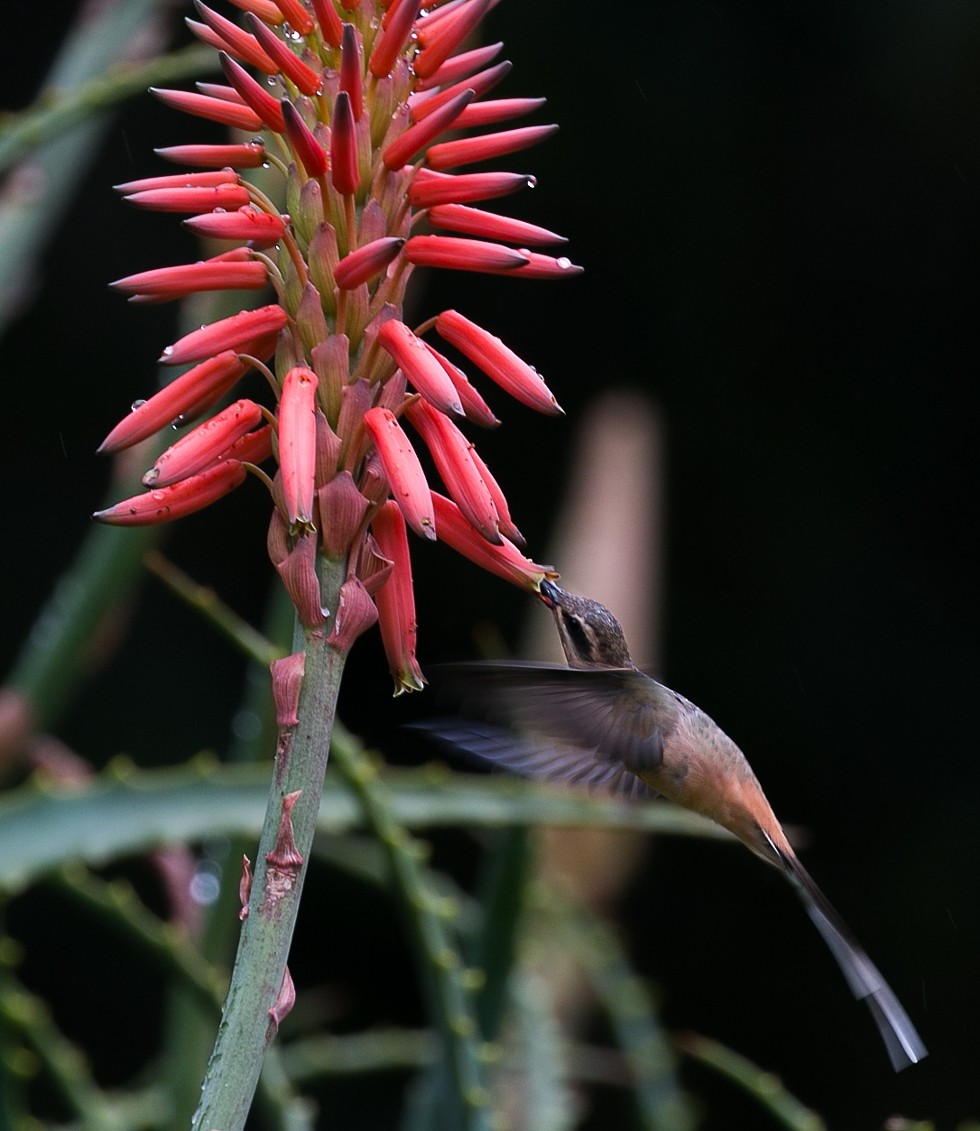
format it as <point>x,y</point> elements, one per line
<point>603,723</point>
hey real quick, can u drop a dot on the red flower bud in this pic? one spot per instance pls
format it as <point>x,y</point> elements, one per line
<point>204,383</point>
<point>216,109</point>
<point>497,110</point>
<point>498,361</point>
<point>395,600</point>
<point>421,369</point>
<point>429,187</point>
<point>203,445</point>
<point>297,443</point>
<point>248,156</point>
<point>469,150</point>
<point>243,332</point>
<point>406,145</point>
<point>343,147</point>
<point>462,254</point>
<point>304,78</point>
<point>369,260</point>
<point>505,560</point>
<point>488,225</point>
<point>210,275</point>
<point>202,199</point>
<point>260,229</point>
<point>163,504</point>
<point>402,469</point>
<point>450,450</point>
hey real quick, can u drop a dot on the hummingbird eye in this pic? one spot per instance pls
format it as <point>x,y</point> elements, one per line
<point>578,636</point>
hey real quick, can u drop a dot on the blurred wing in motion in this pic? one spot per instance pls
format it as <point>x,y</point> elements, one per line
<point>615,719</point>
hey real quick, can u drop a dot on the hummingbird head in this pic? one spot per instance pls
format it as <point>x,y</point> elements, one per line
<point>590,635</point>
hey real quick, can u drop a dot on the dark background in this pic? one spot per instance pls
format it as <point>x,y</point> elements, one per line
<point>777,207</point>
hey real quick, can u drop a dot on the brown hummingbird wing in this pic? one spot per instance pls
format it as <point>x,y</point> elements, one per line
<point>601,726</point>
<point>533,758</point>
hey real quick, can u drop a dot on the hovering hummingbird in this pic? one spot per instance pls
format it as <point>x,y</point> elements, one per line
<point>602,722</point>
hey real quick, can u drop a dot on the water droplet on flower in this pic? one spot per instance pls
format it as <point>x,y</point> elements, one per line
<point>178,422</point>
<point>158,496</point>
<point>168,350</point>
<point>266,165</point>
<point>137,404</point>
<point>219,209</point>
<point>532,182</point>
<point>563,262</point>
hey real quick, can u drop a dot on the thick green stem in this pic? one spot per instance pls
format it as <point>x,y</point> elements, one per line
<point>247,1026</point>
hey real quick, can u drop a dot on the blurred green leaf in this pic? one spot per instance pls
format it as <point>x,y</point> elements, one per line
<point>125,810</point>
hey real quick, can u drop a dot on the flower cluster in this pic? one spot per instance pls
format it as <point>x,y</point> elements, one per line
<point>351,106</point>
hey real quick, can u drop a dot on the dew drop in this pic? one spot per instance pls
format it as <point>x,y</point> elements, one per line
<point>137,404</point>
<point>168,350</point>
<point>219,209</point>
<point>178,422</point>
<point>158,496</point>
<point>266,165</point>
<point>563,262</point>
<point>204,887</point>
<point>532,182</point>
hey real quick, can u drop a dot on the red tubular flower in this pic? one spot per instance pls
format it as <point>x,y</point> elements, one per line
<point>203,445</point>
<point>469,150</point>
<point>430,187</point>
<point>207,381</point>
<point>240,332</point>
<point>353,99</point>
<point>285,61</point>
<point>350,70</point>
<point>210,275</point>
<point>248,156</point>
<point>304,144</point>
<point>163,504</point>
<point>297,443</point>
<point>331,27</point>
<point>260,229</point>
<point>366,262</point>
<point>267,107</point>
<point>424,373</point>
<point>396,600</point>
<point>228,36</point>
<point>462,254</point>
<point>475,408</point>
<point>505,560</point>
<point>402,469</point>
<point>416,137</point>
<point>451,453</point>
<point>343,147</point>
<point>444,33</point>
<point>217,109</point>
<point>488,225</point>
<point>497,110</point>
<point>498,361</point>
<point>427,101</point>
<point>461,65</point>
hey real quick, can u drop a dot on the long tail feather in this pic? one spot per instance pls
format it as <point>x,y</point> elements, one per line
<point>903,1043</point>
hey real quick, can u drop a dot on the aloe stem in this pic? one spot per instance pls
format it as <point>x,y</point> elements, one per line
<point>247,1026</point>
